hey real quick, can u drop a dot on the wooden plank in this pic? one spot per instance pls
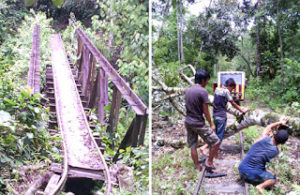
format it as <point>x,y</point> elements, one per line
<point>136,130</point>
<point>51,186</point>
<point>34,68</point>
<point>92,81</point>
<point>79,53</point>
<point>95,96</point>
<point>143,130</point>
<point>102,95</point>
<point>114,111</point>
<point>86,70</point>
<point>81,65</point>
<point>75,172</point>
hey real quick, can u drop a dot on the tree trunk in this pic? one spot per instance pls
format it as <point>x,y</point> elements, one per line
<point>258,57</point>
<point>280,42</point>
<point>247,61</point>
<point>165,14</point>
<point>262,118</point>
<point>181,29</point>
<point>256,117</point>
<point>178,36</point>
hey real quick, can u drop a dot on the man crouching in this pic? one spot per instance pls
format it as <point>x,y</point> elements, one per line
<point>252,169</point>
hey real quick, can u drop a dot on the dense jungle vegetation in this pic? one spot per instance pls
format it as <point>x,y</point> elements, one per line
<point>120,31</point>
<point>260,38</point>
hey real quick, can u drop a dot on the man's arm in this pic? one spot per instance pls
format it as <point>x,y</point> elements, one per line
<point>268,129</point>
<point>238,107</point>
<point>207,116</point>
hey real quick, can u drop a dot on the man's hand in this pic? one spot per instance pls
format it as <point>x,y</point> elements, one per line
<point>284,120</point>
<point>213,128</point>
<point>245,110</point>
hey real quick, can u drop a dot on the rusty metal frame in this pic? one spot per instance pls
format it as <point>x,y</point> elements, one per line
<point>134,101</point>
<point>34,81</point>
<point>96,92</point>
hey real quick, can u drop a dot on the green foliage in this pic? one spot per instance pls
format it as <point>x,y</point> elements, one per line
<point>271,93</point>
<point>60,11</point>
<point>169,73</point>
<point>138,71</point>
<point>138,159</point>
<point>16,50</point>
<point>11,13</point>
<point>24,138</point>
<point>251,134</point>
<point>58,3</point>
<point>29,3</point>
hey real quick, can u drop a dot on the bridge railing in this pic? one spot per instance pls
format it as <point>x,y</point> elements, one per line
<point>34,68</point>
<point>94,90</point>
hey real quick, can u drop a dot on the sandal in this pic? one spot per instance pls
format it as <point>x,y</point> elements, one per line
<point>210,169</point>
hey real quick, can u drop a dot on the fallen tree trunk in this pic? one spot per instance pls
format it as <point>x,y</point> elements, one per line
<point>262,118</point>
<point>257,117</point>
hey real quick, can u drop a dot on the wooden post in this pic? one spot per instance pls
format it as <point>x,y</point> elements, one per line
<point>81,65</point>
<point>95,94</point>
<point>102,88</point>
<point>114,111</point>
<point>86,71</point>
<point>79,53</point>
<point>143,130</point>
<point>136,129</point>
<point>92,81</point>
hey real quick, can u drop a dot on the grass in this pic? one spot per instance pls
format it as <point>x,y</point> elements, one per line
<point>174,173</point>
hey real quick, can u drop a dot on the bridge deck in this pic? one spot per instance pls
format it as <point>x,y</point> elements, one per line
<point>80,148</point>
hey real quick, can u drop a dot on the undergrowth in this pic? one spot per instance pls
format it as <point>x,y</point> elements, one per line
<point>172,173</point>
<point>24,138</point>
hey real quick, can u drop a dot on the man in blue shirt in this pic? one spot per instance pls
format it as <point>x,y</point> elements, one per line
<point>252,169</point>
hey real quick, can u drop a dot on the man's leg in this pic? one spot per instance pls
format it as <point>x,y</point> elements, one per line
<point>202,150</point>
<point>194,154</point>
<point>220,124</point>
<point>212,153</point>
<point>192,140</point>
<point>260,188</point>
<point>210,137</point>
